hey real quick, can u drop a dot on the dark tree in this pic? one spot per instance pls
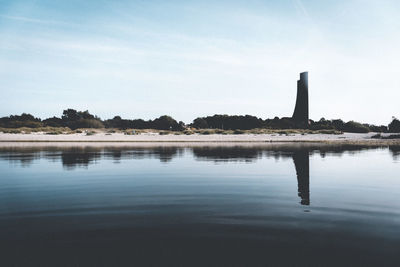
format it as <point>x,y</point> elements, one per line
<point>80,119</point>
<point>200,123</point>
<point>355,127</point>
<point>394,126</point>
<point>228,122</point>
<point>70,115</point>
<point>23,120</point>
<point>165,123</point>
<point>118,122</point>
<point>54,122</point>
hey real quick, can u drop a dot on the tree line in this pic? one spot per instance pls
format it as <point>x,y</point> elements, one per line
<point>74,119</point>
<point>250,122</point>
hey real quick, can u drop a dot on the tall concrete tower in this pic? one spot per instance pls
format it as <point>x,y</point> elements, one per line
<point>300,114</point>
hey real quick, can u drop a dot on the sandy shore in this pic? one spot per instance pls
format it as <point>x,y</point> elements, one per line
<point>346,138</point>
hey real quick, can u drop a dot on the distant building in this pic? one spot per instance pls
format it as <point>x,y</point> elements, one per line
<point>300,114</point>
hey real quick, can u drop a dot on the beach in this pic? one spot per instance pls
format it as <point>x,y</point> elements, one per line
<point>345,138</point>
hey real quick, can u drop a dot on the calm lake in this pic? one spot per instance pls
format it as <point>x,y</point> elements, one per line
<point>245,205</point>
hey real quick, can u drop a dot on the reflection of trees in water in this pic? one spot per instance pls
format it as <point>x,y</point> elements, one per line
<point>164,154</point>
<point>235,153</point>
<point>249,154</point>
<point>72,157</point>
<point>25,159</point>
<point>395,152</point>
<point>76,157</point>
<point>86,155</point>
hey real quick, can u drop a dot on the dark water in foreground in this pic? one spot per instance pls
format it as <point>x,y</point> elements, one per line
<point>201,206</point>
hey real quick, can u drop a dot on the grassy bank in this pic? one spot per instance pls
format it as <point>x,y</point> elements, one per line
<point>66,130</point>
<point>236,132</point>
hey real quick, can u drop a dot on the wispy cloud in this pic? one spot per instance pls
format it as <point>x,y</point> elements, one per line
<point>246,59</point>
<point>33,20</point>
<point>299,4</point>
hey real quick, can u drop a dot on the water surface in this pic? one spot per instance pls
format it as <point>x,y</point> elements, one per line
<point>204,206</point>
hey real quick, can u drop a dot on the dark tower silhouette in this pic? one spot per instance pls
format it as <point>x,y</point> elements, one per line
<point>300,114</point>
<point>302,164</point>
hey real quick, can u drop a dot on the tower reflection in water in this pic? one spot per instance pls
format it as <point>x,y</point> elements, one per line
<point>301,161</point>
<point>83,156</point>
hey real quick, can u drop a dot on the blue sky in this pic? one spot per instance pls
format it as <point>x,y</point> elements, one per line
<point>197,58</point>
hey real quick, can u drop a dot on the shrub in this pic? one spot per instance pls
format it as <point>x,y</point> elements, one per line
<point>12,131</point>
<point>54,133</point>
<point>258,131</point>
<point>376,136</point>
<point>288,131</point>
<point>392,136</point>
<point>130,132</point>
<point>355,127</point>
<point>227,132</point>
<point>85,123</point>
<point>239,132</point>
<point>54,122</point>
<point>329,132</point>
<point>378,129</point>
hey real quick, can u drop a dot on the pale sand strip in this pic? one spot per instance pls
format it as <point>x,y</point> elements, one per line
<point>346,138</point>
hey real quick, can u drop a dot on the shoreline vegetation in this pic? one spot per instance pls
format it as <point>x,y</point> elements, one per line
<point>81,126</point>
<point>73,120</point>
<point>188,131</point>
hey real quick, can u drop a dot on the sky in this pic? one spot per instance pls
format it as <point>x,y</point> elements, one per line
<point>144,59</point>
